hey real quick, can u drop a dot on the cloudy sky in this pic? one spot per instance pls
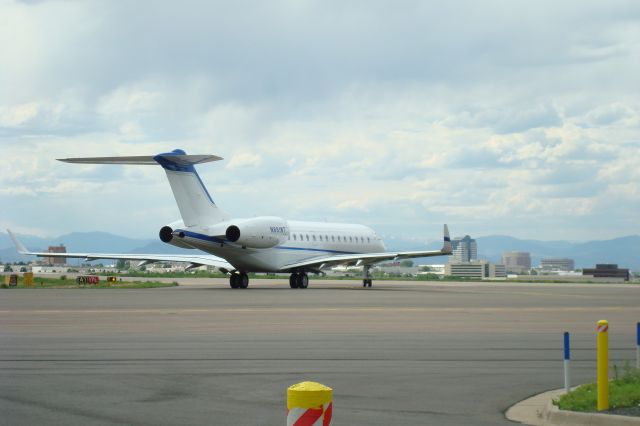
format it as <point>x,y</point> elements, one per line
<point>512,117</point>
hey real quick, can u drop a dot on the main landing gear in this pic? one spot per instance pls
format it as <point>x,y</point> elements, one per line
<point>299,280</point>
<point>239,280</point>
<point>367,282</point>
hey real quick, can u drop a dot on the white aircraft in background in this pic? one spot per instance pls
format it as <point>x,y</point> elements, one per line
<point>238,246</point>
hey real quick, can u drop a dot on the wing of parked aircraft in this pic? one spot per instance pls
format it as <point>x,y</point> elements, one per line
<point>193,260</point>
<point>368,258</point>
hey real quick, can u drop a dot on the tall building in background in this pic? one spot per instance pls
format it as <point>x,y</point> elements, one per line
<point>465,249</point>
<point>56,260</point>
<point>516,261</point>
<point>557,264</point>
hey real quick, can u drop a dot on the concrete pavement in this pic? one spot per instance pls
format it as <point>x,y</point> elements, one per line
<point>399,353</point>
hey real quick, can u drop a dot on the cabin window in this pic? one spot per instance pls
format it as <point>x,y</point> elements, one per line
<point>314,238</point>
<point>307,237</point>
<point>294,237</point>
<point>350,239</point>
<point>338,238</point>
<point>333,238</point>
<point>368,239</point>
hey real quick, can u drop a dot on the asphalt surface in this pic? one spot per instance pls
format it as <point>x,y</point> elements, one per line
<point>400,353</point>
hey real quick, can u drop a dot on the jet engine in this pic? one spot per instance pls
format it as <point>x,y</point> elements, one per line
<point>166,235</point>
<point>259,232</point>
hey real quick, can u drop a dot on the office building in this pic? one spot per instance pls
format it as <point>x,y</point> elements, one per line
<point>557,264</point>
<point>464,248</point>
<point>517,262</point>
<point>477,269</point>
<point>52,261</point>
<point>607,270</point>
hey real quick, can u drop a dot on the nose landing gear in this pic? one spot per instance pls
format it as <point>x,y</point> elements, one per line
<point>367,281</point>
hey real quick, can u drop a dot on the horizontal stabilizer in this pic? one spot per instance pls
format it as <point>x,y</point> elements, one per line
<point>194,201</point>
<point>144,160</point>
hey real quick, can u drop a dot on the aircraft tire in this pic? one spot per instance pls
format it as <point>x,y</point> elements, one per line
<point>243,280</point>
<point>303,280</point>
<point>233,280</point>
<point>293,281</point>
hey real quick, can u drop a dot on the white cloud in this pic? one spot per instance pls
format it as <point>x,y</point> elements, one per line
<point>128,100</point>
<point>244,159</point>
<point>17,115</point>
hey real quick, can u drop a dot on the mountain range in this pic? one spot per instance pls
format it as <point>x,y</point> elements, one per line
<point>624,250</point>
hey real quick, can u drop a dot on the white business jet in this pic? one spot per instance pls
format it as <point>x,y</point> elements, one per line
<point>238,246</point>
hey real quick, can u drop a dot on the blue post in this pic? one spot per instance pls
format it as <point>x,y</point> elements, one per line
<point>567,358</point>
<point>638,345</point>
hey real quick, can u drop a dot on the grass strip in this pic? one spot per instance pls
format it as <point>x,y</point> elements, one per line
<point>624,392</point>
<point>39,282</point>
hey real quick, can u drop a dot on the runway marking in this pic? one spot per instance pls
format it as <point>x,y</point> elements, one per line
<point>320,310</point>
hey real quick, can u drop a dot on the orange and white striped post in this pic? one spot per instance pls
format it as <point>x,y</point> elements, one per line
<point>309,404</point>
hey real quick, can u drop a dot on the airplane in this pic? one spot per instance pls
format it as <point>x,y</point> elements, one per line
<point>238,246</point>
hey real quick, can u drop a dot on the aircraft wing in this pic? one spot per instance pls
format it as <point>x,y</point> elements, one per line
<point>194,260</point>
<point>368,258</point>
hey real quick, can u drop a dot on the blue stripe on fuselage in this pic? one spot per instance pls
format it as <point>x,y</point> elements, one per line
<point>221,241</point>
<point>201,236</point>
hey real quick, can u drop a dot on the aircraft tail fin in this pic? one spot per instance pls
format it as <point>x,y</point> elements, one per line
<point>194,201</point>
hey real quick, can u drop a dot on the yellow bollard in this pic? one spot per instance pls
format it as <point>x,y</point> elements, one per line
<point>602,330</point>
<point>308,403</point>
<point>28,279</point>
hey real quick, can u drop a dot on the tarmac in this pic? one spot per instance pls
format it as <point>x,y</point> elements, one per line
<point>399,353</point>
